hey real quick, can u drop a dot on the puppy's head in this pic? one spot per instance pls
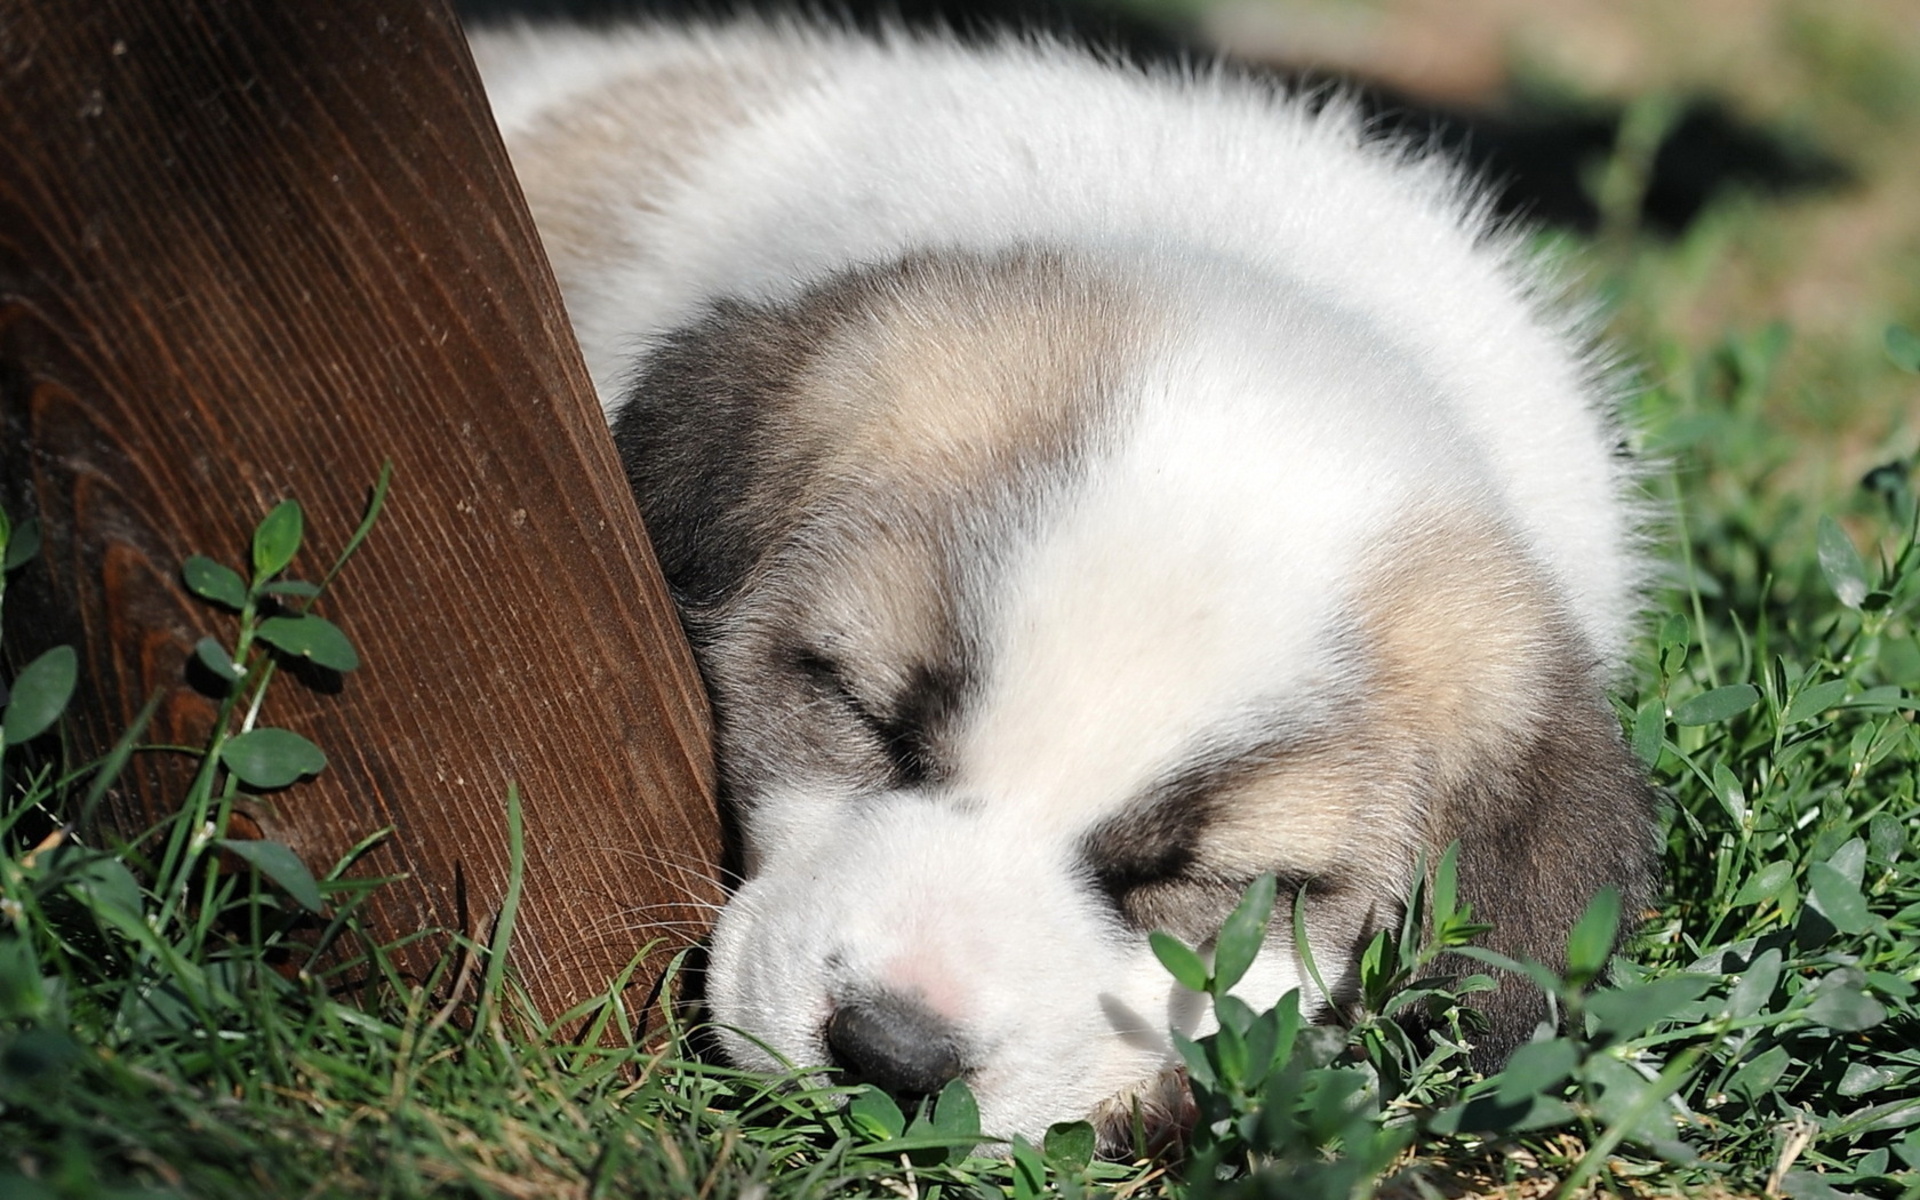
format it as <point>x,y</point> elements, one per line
<point>1044,606</point>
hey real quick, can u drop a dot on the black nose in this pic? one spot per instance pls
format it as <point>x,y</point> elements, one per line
<point>894,1043</point>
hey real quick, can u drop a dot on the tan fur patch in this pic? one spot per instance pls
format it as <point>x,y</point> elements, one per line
<point>1306,814</point>
<point>958,362</point>
<point>938,376</point>
<point>1464,636</point>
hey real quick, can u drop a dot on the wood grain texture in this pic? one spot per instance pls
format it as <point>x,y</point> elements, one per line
<point>247,252</point>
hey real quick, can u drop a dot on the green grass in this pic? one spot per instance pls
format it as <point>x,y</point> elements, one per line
<point>163,1033</point>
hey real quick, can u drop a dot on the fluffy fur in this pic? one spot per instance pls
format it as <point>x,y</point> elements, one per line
<point>1085,490</point>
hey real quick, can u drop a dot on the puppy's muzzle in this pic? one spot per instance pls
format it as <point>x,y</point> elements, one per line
<point>896,1044</point>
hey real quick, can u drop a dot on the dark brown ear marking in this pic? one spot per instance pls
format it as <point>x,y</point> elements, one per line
<point>710,459</point>
<point>1570,814</point>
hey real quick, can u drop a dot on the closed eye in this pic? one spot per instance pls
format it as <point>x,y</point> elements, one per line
<point>1147,861</point>
<point>1152,883</point>
<point>903,742</point>
<point>1173,892</point>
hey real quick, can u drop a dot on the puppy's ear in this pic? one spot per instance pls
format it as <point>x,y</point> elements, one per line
<point>705,436</point>
<point>1567,813</point>
<point>1479,665</point>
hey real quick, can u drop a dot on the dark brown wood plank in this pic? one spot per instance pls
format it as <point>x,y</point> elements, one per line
<point>247,252</point>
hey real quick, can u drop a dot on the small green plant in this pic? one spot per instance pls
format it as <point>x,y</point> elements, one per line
<point>274,614</point>
<point>40,691</point>
<point>1279,1114</point>
<point>155,950</point>
<point>946,1133</point>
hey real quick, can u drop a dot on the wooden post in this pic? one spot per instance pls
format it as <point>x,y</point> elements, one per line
<point>247,252</point>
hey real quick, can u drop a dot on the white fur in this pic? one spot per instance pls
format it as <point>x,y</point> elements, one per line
<point>1340,335</point>
<point>915,144</point>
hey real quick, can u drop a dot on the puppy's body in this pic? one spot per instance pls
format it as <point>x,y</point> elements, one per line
<point>1086,492</point>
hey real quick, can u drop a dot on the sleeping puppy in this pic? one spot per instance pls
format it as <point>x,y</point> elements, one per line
<point>1085,490</point>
